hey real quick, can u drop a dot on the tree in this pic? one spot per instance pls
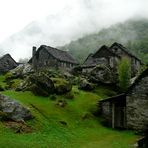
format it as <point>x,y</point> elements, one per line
<point>124,74</point>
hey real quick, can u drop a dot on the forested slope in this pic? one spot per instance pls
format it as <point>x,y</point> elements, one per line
<point>133,34</point>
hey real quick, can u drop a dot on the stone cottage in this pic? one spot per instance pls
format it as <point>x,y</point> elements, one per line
<point>7,63</point>
<point>49,57</point>
<point>129,110</point>
<point>103,56</point>
<point>121,51</point>
<point>110,56</point>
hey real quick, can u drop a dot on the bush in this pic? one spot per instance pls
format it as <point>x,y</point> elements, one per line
<point>124,74</point>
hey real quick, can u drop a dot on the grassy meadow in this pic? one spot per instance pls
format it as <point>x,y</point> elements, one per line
<point>72,126</point>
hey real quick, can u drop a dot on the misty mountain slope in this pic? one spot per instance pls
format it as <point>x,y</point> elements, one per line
<point>133,34</point>
<point>54,30</point>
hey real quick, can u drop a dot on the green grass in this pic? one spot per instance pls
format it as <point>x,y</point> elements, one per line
<point>2,79</point>
<point>79,132</point>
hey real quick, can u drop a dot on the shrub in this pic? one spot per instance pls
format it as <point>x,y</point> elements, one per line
<point>124,74</point>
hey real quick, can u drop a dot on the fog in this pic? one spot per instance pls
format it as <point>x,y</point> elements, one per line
<point>58,23</point>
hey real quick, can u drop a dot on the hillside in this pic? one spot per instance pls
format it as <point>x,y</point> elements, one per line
<point>71,126</point>
<point>133,34</point>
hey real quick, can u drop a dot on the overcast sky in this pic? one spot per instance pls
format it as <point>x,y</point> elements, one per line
<point>16,14</point>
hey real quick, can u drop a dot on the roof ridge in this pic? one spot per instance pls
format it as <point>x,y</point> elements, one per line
<point>60,54</point>
<point>124,49</point>
<point>54,48</point>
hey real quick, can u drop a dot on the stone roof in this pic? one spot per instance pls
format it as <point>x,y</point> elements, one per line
<point>89,60</point>
<point>8,56</point>
<point>123,49</point>
<point>114,98</point>
<point>138,79</point>
<point>104,47</point>
<point>59,54</point>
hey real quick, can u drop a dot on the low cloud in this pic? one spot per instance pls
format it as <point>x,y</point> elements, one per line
<point>76,19</point>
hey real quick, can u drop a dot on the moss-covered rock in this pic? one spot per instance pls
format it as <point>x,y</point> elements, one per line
<point>9,76</point>
<point>69,95</point>
<point>61,103</point>
<point>1,88</point>
<point>3,115</point>
<point>13,110</point>
<point>38,91</point>
<point>41,85</point>
<point>102,74</point>
<point>62,86</point>
<point>13,84</point>
<point>85,85</point>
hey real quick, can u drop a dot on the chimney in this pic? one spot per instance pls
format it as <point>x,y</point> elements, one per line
<point>33,50</point>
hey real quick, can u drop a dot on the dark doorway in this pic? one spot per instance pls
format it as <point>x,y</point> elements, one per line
<point>120,113</point>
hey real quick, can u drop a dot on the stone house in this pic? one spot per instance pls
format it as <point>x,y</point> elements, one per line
<point>7,63</point>
<point>110,56</point>
<point>129,110</point>
<point>49,57</point>
<point>121,51</point>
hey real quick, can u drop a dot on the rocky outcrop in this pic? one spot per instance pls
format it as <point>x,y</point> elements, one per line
<point>20,71</point>
<point>13,110</point>
<point>61,86</point>
<point>102,74</point>
<point>85,85</point>
<point>42,85</point>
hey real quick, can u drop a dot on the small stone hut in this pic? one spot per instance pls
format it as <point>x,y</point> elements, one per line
<point>49,57</point>
<point>129,110</point>
<point>7,63</point>
<point>110,56</point>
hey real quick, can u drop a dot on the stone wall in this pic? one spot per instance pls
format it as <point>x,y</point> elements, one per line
<point>106,112</point>
<point>7,63</point>
<point>135,64</point>
<point>44,59</point>
<point>137,106</point>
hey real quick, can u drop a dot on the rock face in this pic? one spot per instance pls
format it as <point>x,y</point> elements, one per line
<point>41,85</point>
<point>22,71</point>
<point>102,74</point>
<point>13,110</point>
<point>137,106</point>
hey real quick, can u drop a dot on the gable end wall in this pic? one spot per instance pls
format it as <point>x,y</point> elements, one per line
<point>137,106</point>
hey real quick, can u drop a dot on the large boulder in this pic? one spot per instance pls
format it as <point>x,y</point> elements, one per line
<point>102,74</point>
<point>40,85</point>
<point>20,71</point>
<point>13,110</point>
<point>62,86</point>
<point>85,85</point>
<point>43,85</point>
